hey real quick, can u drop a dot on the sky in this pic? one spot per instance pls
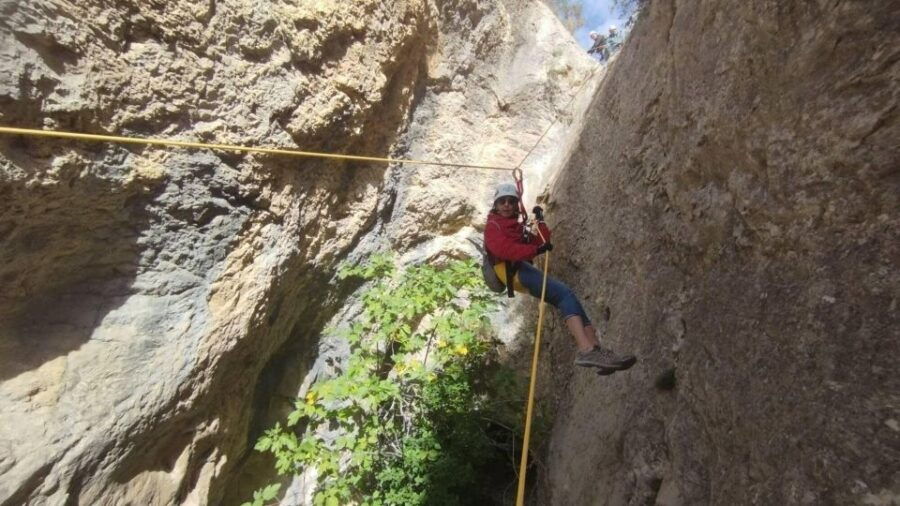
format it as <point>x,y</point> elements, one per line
<point>599,15</point>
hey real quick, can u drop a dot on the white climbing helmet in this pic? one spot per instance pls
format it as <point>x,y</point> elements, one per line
<point>613,28</point>
<point>505,190</point>
<point>594,35</point>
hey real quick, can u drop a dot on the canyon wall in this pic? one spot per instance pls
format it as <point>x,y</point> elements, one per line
<point>730,215</point>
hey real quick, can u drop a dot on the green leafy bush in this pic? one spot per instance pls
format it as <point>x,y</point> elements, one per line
<point>419,412</point>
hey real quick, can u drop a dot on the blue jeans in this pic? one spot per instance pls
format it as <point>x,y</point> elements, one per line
<point>558,294</point>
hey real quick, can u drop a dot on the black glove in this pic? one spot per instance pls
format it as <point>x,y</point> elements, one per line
<point>538,212</point>
<point>543,248</point>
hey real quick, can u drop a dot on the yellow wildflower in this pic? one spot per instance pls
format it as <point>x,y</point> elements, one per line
<point>441,343</point>
<point>462,350</point>
<point>311,398</point>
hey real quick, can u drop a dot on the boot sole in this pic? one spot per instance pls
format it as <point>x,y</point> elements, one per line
<point>616,366</point>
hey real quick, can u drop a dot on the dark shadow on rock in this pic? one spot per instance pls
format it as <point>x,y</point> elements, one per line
<point>68,253</point>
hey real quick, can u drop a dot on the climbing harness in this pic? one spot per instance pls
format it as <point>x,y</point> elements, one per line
<point>502,273</point>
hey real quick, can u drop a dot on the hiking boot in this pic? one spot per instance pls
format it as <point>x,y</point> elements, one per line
<point>603,358</point>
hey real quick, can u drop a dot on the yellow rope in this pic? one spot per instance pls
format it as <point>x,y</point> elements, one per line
<point>523,462</point>
<point>229,147</point>
<point>273,151</point>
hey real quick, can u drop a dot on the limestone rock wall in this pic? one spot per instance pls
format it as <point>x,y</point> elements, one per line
<point>731,216</point>
<point>150,297</point>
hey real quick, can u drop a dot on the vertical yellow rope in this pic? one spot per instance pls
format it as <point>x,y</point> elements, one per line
<point>523,463</point>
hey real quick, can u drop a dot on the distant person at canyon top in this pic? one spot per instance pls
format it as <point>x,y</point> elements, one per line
<point>605,45</point>
<point>599,47</point>
<point>511,249</point>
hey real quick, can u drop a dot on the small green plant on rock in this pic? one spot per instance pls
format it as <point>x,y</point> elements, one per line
<point>412,416</point>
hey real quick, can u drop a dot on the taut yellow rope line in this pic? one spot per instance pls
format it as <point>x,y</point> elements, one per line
<point>230,147</point>
<point>272,151</point>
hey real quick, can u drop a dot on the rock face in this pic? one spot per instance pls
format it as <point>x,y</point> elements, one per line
<point>732,209</point>
<point>150,297</point>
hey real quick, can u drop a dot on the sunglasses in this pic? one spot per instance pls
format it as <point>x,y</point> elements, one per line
<point>507,200</point>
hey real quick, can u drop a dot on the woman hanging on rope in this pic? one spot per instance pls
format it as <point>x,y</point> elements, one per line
<point>511,250</point>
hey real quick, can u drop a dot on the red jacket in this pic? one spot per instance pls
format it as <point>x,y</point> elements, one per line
<point>503,239</point>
